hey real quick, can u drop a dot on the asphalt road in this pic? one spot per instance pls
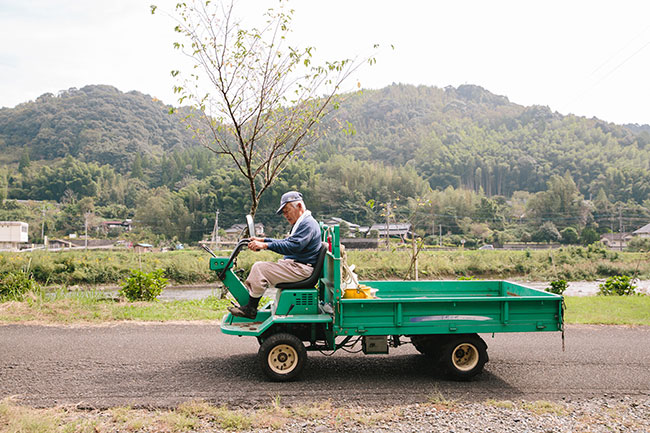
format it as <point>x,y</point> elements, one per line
<point>161,365</point>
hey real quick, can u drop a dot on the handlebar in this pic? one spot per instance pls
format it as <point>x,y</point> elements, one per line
<point>240,246</point>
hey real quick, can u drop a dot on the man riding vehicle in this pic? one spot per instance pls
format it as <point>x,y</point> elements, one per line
<point>300,250</point>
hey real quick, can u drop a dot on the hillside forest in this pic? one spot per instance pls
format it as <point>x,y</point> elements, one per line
<point>458,162</point>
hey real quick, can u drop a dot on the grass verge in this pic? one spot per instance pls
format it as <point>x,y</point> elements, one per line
<point>94,307</point>
<point>608,310</point>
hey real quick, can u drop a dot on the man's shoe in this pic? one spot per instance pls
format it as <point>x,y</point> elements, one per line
<point>245,311</point>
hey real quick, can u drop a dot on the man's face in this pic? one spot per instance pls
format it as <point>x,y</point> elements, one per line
<point>292,212</point>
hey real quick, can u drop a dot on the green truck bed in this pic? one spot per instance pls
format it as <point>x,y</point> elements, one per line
<point>442,307</point>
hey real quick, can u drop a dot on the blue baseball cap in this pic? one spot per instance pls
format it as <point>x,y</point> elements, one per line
<point>288,197</point>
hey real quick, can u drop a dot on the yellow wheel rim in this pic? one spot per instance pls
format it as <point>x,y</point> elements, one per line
<point>465,356</point>
<point>283,359</point>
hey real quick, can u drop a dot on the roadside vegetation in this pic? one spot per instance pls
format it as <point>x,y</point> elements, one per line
<point>65,287</point>
<point>93,268</point>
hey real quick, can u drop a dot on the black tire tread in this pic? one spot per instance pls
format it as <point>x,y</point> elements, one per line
<point>274,340</point>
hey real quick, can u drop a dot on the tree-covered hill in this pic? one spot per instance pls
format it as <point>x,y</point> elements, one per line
<point>470,138</point>
<point>458,160</point>
<point>464,137</point>
<point>94,124</point>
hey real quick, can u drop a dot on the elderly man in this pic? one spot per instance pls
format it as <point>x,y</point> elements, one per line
<point>300,252</point>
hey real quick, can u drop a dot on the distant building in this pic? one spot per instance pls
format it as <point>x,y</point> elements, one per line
<point>59,244</point>
<point>354,228</point>
<point>12,234</point>
<point>124,225</point>
<point>398,230</point>
<point>616,240</point>
<point>142,248</point>
<point>643,232</point>
<point>235,230</point>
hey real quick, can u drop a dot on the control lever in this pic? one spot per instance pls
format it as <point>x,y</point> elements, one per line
<point>206,248</point>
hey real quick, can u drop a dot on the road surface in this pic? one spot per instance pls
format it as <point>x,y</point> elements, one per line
<point>162,365</point>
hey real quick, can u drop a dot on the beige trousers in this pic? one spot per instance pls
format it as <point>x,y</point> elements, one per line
<point>267,274</point>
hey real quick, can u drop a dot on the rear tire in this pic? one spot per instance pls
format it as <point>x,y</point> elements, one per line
<point>463,356</point>
<point>282,357</point>
<point>428,345</point>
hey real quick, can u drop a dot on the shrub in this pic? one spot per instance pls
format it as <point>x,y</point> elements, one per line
<point>558,287</point>
<point>569,236</point>
<point>14,285</point>
<point>142,286</point>
<point>639,245</point>
<point>619,285</point>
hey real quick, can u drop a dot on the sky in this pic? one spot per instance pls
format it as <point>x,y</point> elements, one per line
<point>588,58</point>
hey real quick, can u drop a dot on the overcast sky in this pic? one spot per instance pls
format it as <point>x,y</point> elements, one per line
<point>590,58</point>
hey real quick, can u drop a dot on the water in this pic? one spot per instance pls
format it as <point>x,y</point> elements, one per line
<point>585,288</point>
<point>177,293</point>
<point>575,288</point>
<point>186,293</point>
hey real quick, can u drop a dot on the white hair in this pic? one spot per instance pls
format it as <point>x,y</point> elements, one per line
<point>297,202</point>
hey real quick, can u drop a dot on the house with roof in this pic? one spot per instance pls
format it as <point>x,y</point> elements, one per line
<point>124,225</point>
<point>643,232</point>
<point>59,244</point>
<point>354,228</point>
<point>398,230</point>
<point>616,240</point>
<point>142,247</point>
<point>234,231</point>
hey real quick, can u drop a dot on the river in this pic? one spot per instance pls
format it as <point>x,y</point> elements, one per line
<point>575,288</point>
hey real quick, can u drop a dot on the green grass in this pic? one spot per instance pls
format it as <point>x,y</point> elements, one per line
<point>94,307</point>
<point>608,310</point>
<point>91,268</point>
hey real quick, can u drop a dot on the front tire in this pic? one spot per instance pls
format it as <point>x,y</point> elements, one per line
<point>463,356</point>
<point>282,357</point>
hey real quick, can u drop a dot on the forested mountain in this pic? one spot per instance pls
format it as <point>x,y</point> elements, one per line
<point>473,161</point>
<point>469,138</point>
<point>94,124</point>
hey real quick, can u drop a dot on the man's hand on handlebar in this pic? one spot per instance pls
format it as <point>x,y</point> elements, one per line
<point>257,244</point>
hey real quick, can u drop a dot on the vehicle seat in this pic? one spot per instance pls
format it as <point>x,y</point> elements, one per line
<point>312,280</point>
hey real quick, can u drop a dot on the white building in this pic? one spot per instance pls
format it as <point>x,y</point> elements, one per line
<point>12,234</point>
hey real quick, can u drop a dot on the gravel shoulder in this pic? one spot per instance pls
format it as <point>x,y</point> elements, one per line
<point>438,414</point>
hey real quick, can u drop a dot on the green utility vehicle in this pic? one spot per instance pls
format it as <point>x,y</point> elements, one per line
<point>442,319</point>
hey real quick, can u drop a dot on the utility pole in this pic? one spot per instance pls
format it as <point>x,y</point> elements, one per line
<point>620,228</point>
<point>388,226</point>
<point>440,233</point>
<point>215,232</point>
<point>86,229</point>
<point>43,224</point>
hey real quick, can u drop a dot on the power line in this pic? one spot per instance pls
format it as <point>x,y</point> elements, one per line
<point>611,71</point>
